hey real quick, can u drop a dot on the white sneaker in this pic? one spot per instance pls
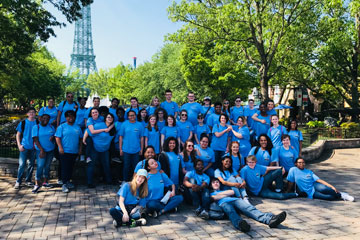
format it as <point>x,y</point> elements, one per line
<point>278,190</point>
<point>246,199</point>
<point>141,222</point>
<point>115,223</point>
<point>60,182</point>
<point>65,188</point>
<point>17,185</point>
<point>346,197</point>
<point>88,160</point>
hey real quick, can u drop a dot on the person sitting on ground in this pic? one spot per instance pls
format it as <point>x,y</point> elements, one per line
<point>230,205</point>
<point>197,183</point>
<point>132,201</point>
<point>149,152</point>
<point>314,187</point>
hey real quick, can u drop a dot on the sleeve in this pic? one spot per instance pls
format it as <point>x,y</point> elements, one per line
<point>81,133</point>
<point>232,113</point>
<point>124,190</point>
<point>275,154</point>
<point>212,155</point>
<point>269,133</point>
<point>206,179</point>
<point>191,127</point>
<point>178,132</point>
<point>262,169</point>
<point>18,128</point>
<point>146,132</point>
<point>209,121</point>
<point>243,173</point>
<point>176,107</point>
<point>59,132</point>
<point>246,134</point>
<point>34,132</point>
<point>89,121</point>
<point>60,107</point>
<point>122,130</point>
<point>295,152</point>
<point>215,128</point>
<point>167,180</point>
<point>188,174</point>
<point>217,173</point>
<point>182,163</point>
<point>41,112</point>
<point>314,176</point>
<point>284,131</point>
<point>252,151</point>
<point>163,131</point>
<point>138,166</point>
<point>142,130</point>
<point>207,129</point>
<point>300,136</point>
<point>291,175</point>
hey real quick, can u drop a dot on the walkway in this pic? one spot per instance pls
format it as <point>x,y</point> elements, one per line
<point>83,214</point>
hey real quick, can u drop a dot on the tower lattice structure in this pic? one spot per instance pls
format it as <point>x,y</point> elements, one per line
<point>83,57</point>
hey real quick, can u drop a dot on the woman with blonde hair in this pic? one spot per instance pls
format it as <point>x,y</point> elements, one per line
<point>132,201</point>
<point>154,104</point>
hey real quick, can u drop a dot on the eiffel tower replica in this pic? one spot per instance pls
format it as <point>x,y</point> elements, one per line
<point>82,57</point>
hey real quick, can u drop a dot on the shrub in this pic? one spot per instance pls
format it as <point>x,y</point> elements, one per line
<point>315,124</point>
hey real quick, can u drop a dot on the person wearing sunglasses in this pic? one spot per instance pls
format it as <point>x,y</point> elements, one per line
<point>185,127</point>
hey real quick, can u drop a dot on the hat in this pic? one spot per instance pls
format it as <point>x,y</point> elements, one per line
<point>207,98</point>
<point>142,172</point>
<point>200,115</point>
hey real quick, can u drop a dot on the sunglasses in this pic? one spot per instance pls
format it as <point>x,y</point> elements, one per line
<point>190,145</point>
<point>226,102</point>
<point>183,114</point>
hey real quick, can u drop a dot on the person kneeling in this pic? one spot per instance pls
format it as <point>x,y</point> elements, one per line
<point>230,204</point>
<point>128,212</point>
<point>197,182</point>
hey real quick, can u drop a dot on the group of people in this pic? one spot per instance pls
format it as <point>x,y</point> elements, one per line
<point>197,153</point>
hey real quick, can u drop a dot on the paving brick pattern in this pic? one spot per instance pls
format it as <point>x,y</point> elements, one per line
<point>83,213</point>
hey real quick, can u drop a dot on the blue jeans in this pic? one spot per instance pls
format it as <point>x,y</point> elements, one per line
<point>325,193</point>
<point>249,210</point>
<point>218,156</point>
<point>27,154</point>
<point>239,192</point>
<point>156,205</point>
<point>43,165</point>
<point>130,161</point>
<point>102,157</point>
<point>275,175</point>
<point>89,149</point>
<point>201,199</point>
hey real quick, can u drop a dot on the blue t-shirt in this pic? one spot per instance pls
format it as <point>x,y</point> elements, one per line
<point>263,157</point>
<point>193,109</point>
<point>161,125</point>
<point>275,134</point>
<point>52,112</point>
<point>213,119</point>
<point>208,113</point>
<point>141,165</point>
<point>184,129</point>
<point>125,192</point>
<point>153,137</point>
<point>117,135</point>
<point>249,113</point>
<point>70,136</point>
<point>27,140</point>
<point>236,162</point>
<point>223,200</point>
<point>63,108</point>
<point>226,174</point>
<point>113,112</point>
<point>304,179</point>
<point>91,121</point>
<point>136,110</point>
<point>170,107</point>
<point>244,142</point>
<point>132,134</point>
<point>174,165</point>
<point>170,132</point>
<point>207,155</point>
<point>87,113</point>
<point>156,184</point>
<point>80,116</point>
<point>219,143</point>
<point>199,178</point>
<point>295,138</point>
<point>198,130</point>
<point>151,110</point>
<point>253,177</point>
<point>236,112</point>
<point>101,140</point>
<point>270,113</point>
<point>44,134</point>
<point>188,165</point>
<point>286,158</point>
<point>262,128</point>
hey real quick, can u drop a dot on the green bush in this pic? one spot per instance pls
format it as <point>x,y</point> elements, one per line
<point>315,124</point>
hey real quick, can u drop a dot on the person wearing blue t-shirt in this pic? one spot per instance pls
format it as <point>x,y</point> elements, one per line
<point>197,183</point>
<point>132,195</point>
<point>296,137</point>
<point>154,104</point>
<point>101,153</point>
<point>50,110</point>
<point>193,108</point>
<point>238,161</point>
<point>156,204</point>
<point>259,179</point>
<point>286,154</point>
<point>142,117</point>
<point>113,108</point>
<point>206,154</point>
<point>170,107</point>
<point>220,140</point>
<point>241,134</point>
<point>314,187</point>
<point>134,106</point>
<point>207,109</point>
<point>116,158</point>
<point>213,119</point>
<point>263,125</point>
<point>90,122</point>
<point>43,136</point>
<point>230,178</point>
<point>64,106</point>
<point>68,138</point>
<point>236,111</point>
<point>26,147</point>
<point>80,113</point>
<point>269,106</point>
<point>263,152</point>
<point>171,161</point>
<point>149,152</point>
<point>201,128</point>
<point>170,130</point>
<point>232,205</point>
<point>276,131</point>
<point>131,144</point>
<point>185,127</point>
<point>249,111</point>
<point>152,134</point>
<point>188,156</point>
<point>161,117</point>
<point>96,104</point>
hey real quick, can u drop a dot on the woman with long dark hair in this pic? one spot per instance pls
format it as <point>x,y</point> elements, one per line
<point>263,151</point>
<point>188,156</point>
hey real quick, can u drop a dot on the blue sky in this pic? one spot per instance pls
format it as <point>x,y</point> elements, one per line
<point>122,29</point>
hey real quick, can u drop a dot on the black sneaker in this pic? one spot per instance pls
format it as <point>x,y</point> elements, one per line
<point>244,226</point>
<point>91,185</point>
<point>277,219</point>
<point>198,211</point>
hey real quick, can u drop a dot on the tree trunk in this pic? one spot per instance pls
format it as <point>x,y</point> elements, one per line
<point>264,85</point>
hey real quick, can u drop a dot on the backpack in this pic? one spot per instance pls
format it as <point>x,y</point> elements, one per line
<point>23,122</point>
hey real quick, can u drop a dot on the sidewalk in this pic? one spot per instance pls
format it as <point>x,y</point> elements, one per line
<point>83,213</point>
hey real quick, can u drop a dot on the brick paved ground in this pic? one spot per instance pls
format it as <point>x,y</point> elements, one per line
<point>83,213</point>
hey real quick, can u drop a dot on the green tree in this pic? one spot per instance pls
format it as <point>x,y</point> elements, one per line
<point>256,31</point>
